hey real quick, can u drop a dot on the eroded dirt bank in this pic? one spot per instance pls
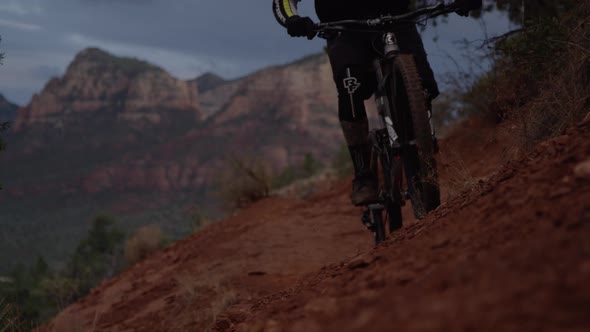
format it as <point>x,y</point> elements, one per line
<point>512,254</point>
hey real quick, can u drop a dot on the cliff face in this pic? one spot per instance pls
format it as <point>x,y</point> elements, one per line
<point>302,92</point>
<point>276,115</point>
<point>97,81</point>
<point>123,124</point>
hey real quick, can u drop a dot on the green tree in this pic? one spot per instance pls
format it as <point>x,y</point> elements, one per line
<point>39,293</point>
<point>98,255</point>
<point>22,291</point>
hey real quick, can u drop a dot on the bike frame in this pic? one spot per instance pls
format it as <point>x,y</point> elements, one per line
<point>385,138</point>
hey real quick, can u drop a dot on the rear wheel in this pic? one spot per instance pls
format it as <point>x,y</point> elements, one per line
<point>411,110</point>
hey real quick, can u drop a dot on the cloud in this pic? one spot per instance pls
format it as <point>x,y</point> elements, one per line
<point>18,8</point>
<point>46,72</point>
<point>19,25</point>
<point>185,37</point>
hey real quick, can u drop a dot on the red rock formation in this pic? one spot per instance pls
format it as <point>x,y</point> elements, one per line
<point>97,81</point>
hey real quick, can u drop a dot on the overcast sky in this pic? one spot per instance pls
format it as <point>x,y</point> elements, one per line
<point>187,37</point>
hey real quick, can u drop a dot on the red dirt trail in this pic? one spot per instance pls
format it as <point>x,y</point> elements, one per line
<point>509,253</point>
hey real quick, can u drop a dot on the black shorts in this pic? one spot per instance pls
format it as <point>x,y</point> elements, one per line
<point>359,49</point>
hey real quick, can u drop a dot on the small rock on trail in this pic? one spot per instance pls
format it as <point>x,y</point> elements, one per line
<point>361,261</point>
<point>582,170</point>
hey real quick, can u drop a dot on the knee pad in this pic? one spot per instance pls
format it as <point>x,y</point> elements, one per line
<point>355,85</point>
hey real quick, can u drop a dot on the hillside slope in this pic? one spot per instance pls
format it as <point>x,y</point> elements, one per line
<point>261,250</point>
<point>509,254</point>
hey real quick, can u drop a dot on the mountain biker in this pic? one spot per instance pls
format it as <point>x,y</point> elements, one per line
<point>351,55</point>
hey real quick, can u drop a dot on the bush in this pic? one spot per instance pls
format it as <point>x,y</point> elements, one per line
<point>244,181</point>
<point>544,82</point>
<point>539,79</point>
<point>146,240</point>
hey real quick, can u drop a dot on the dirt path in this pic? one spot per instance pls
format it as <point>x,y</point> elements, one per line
<point>512,253</point>
<point>263,249</point>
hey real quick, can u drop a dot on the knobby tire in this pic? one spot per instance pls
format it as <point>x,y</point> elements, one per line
<point>419,161</point>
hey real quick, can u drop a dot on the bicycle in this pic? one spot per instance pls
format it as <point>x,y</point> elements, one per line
<point>405,143</point>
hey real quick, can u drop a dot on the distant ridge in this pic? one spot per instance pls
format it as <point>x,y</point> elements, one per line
<point>209,81</point>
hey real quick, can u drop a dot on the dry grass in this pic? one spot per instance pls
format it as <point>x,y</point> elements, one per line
<point>563,97</point>
<point>457,176</point>
<point>205,298</point>
<point>244,181</point>
<point>146,240</point>
<point>562,102</point>
<point>9,318</point>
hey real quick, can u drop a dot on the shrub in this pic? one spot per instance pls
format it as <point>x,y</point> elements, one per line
<point>244,181</point>
<point>146,240</point>
<point>10,320</point>
<point>544,81</point>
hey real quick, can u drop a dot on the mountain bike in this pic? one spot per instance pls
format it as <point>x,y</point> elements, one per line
<point>405,143</point>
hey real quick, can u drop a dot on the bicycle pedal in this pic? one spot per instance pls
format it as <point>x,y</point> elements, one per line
<point>367,221</point>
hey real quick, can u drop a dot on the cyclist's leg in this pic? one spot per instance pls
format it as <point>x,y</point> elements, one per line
<point>351,56</point>
<point>410,41</point>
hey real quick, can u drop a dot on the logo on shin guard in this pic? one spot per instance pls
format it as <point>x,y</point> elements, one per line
<point>351,84</point>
